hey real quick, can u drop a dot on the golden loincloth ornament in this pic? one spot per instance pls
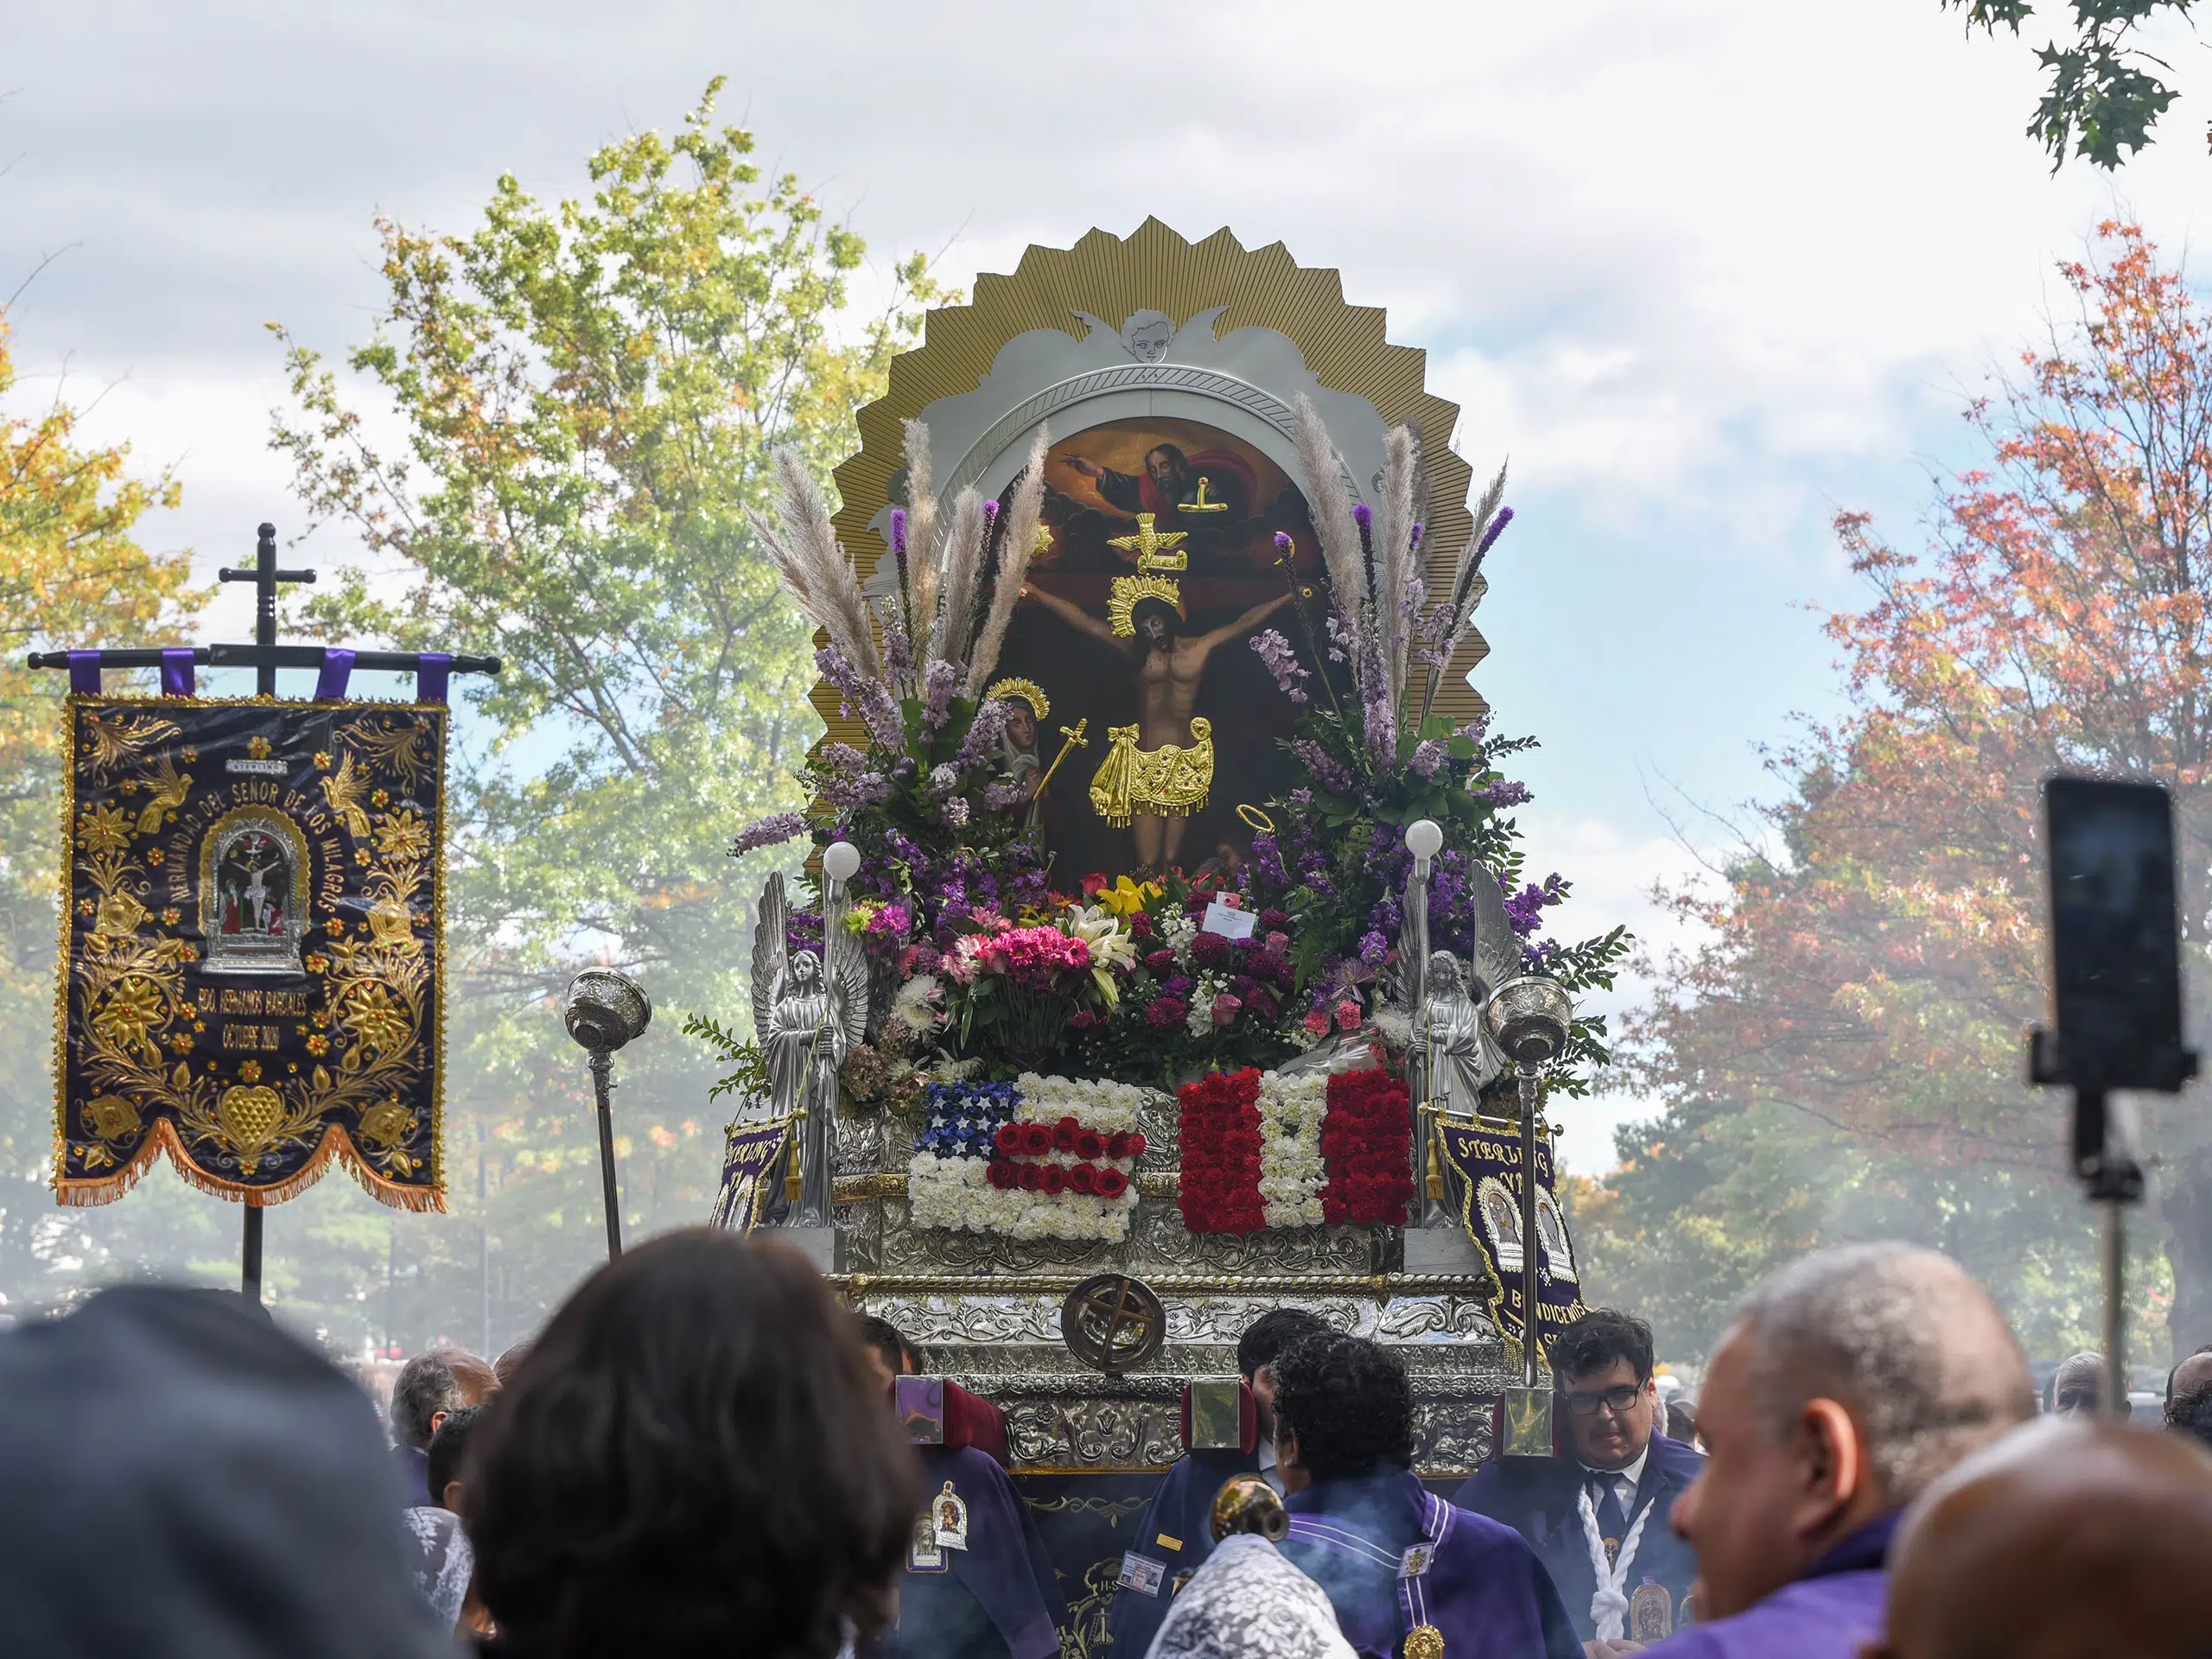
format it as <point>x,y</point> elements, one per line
<point>1170,781</point>
<point>1424,1642</point>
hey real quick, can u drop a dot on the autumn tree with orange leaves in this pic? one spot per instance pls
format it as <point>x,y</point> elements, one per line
<point>1873,965</point>
<point>71,573</point>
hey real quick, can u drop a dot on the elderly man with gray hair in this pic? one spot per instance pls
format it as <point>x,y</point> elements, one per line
<point>1847,1383</point>
<point>430,1387</point>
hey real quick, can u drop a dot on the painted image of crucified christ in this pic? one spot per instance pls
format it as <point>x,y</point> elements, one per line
<point>1158,772</point>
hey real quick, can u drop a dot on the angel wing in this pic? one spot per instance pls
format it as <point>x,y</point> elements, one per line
<point>845,964</point>
<point>771,940</point>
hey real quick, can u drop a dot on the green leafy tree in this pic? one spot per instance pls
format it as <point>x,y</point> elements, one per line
<point>2100,98</point>
<point>589,394</point>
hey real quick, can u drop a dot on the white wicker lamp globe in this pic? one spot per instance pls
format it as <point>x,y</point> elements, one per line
<point>840,861</point>
<point>1424,839</point>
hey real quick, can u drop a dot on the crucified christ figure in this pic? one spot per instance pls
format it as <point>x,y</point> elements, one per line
<point>1149,779</point>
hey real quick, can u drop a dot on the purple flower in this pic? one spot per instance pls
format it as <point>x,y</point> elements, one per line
<point>1177,985</point>
<point>1268,859</point>
<point>1327,772</point>
<point>1497,529</point>
<point>943,780</point>
<point>955,812</point>
<point>1373,947</point>
<point>1301,796</point>
<point>938,687</point>
<point>767,832</point>
<point>1429,757</point>
<point>1167,1013</point>
<point>1505,793</point>
<point>982,731</point>
<point>997,798</point>
<point>1282,662</point>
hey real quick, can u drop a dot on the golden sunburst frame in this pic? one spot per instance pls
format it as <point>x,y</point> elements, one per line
<point>1216,285</point>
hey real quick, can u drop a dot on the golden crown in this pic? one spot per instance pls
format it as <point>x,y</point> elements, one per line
<point>1028,691</point>
<point>1131,591</point>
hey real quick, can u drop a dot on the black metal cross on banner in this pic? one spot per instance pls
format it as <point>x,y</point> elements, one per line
<point>265,577</point>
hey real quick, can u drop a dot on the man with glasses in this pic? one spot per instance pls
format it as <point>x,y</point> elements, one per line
<point>1596,1514</point>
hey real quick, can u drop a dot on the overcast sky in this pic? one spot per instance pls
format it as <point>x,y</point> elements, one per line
<point>1707,271</point>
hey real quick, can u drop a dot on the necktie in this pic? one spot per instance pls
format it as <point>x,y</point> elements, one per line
<point>1612,1518</point>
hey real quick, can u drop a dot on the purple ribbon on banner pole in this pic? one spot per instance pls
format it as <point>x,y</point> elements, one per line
<point>85,673</point>
<point>337,670</point>
<point>433,675</point>
<point>176,672</point>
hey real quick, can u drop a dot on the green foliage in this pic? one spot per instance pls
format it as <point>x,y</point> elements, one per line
<point>590,392</point>
<point>748,1078</point>
<point>2100,97</point>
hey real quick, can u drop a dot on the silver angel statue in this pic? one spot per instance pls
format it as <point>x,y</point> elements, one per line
<point>808,1011</point>
<point>1448,1032</point>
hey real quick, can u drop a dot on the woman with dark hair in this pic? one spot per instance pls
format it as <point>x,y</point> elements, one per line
<point>696,1460</point>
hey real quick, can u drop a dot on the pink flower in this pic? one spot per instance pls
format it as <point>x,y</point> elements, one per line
<point>1317,1022</point>
<point>1347,1016</point>
<point>1225,1008</point>
<point>1277,944</point>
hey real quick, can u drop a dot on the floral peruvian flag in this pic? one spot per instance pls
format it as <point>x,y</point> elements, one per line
<point>1262,1150</point>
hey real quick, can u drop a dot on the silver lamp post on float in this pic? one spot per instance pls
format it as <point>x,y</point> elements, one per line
<point>1424,839</point>
<point>1528,1018</point>
<point>606,1009</point>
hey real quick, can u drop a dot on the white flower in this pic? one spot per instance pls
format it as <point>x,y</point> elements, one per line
<point>1291,1173</point>
<point>1110,948</point>
<point>1396,1027</point>
<point>917,1002</point>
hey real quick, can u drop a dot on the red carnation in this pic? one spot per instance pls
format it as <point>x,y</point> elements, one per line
<point>1053,1180</point>
<point>1029,1179</point>
<point>1160,962</point>
<point>1140,925</point>
<point>1275,921</point>
<point>1209,948</point>
<point>1036,1140</point>
<point>1112,1183</point>
<point>1002,1173</point>
<point>1089,1144</point>
<point>1084,1178</point>
<point>1008,1139</point>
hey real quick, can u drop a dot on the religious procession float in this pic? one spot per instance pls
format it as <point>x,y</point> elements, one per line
<point>1167,952</point>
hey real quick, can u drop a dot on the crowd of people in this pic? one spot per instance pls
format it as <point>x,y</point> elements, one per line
<point>704,1452</point>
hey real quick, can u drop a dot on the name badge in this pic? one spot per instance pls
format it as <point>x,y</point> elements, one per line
<point>1416,1561</point>
<point>1141,1573</point>
<point>948,1517</point>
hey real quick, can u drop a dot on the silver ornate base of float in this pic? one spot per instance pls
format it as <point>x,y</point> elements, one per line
<point>987,1309</point>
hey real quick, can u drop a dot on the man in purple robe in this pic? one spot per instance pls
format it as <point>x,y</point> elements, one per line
<point>979,1582</point>
<point>1408,1573</point>
<point>1846,1383</point>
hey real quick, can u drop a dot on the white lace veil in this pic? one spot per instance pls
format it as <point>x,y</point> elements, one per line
<point>1248,1602</point>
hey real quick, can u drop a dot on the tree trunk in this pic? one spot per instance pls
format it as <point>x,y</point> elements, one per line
<point>2185,1199</point>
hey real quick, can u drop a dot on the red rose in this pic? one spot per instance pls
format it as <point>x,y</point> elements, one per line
<point>1036,1140</point>
<point>1083,1178</point>
<point>1089,1144</point>
<point>1053,1180</point>
<point>1136,1144</point>
<point>1001,1173</point>
<point>1117,1144</point>
<point>1027,1179</point>
<point>1064,1134</point>
<point>1008,1139</point>
<point>1112,1183</point>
